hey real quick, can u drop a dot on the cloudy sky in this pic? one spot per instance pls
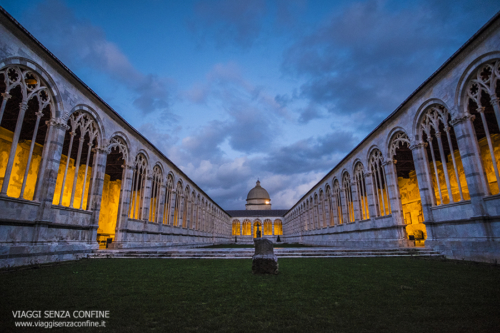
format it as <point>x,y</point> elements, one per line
<point>235,90</point>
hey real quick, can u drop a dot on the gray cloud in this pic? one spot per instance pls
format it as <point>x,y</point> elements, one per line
<point>252,117</point>
<point>369,56</point>
<point>77,42</point>
<point>312,154</point>
<point>240,23</point>
<point>309,113</point>
<point>228,21</point>
<point>205,144</point>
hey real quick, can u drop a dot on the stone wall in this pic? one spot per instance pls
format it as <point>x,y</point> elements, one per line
<point>463,225</point>
<point>35,225</point>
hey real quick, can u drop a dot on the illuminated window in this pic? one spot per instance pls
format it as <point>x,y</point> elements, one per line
<point>138,186</point>
<point>379,184</point>
<point>445,164</point>
<point>185,207</point>
<point>359,177</point>
<point>168,200</point>
<point>154,204</point>
<point>268,227</point>
<point>337,202</point>
<point>247,228</point>
<point>329,203</point>
<point>236,228</point>
<point>75,168</point>
<point>346,184</point>
<point>278,227</point>
<point>482,100</point>
<point>177,206</point>
<point>26,107</point>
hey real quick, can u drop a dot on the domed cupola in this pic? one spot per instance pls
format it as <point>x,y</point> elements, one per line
<point>258,198</point>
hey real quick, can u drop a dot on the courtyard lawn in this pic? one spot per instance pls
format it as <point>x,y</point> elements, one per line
<point>309,295</point>
<point>238,246</point>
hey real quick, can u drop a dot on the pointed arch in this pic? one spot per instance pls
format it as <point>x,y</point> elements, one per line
<point>27,107</point>
<point>78,159</point>
<point>379,182</point>
<point>137,193</point>
<point>361,191</point>
<point>167,203</point>
<point>155,193</point>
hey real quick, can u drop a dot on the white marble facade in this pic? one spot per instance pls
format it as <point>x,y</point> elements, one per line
<point>394,184</point>
<point>43,218</point>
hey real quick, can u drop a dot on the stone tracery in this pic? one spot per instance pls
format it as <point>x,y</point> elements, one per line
<point>435,120</point>
<point>138,192</point>
<point>23,130</point>
<point>379,183</point>
<point>72,180</point>
<point>482,102</point>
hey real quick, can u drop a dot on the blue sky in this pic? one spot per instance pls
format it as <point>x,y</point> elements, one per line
<point>232,90</point>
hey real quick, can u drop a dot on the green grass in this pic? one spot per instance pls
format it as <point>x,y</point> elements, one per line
<point>309,295</point>
<point>238,246</point>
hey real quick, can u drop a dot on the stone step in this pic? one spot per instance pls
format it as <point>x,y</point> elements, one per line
<point>296,256</point>
<point>280,253</point>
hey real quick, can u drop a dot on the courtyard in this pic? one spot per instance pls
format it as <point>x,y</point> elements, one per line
<point>308,295</point>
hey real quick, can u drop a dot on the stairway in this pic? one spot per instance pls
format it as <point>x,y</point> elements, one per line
<point>243,253</point>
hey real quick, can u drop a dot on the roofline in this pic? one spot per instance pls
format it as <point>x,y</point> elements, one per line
<point>131,128</point>
<point>400,107</point>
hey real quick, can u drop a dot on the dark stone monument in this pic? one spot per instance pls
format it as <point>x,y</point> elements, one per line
<point>264,261</point>
<point>258,232</point>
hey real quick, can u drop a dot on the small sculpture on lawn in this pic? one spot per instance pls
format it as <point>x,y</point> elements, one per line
<point>264,260</point>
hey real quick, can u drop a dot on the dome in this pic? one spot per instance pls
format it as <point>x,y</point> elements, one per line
<point>258,192</point>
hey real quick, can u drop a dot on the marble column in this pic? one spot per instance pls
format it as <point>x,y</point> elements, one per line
<point>96,188</point>
<point>343,201</point>
<point>355,201</point>
<point>471,160</point>
<point>369,195</point>
<point>123,207</point>
<point>49,168</point>
<point>393,191</point>
<point>424,181</point>
<point>47,176</point>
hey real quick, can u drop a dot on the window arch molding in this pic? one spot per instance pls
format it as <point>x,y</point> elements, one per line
<point>97,119</point>
<point>434,124</point>
<point>394,136</point>
<point>58,107</point>
<point>421,112</point>
<point>358,175</point>
<point>81,140</point>
<point>138,193</point>
<point>379,182</point>
<point>30,105</point>
<point>144,152</point>
<point>461,96</point>
<point>372,149</point>
<point>157,182</point>
<point>120,141</point>
<point>479,100</point>
<point>355,164</point>
<point>337,201</point>
<point>349,200</point>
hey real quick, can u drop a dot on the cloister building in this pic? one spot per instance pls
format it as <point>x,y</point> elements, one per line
<point>76,177</point>
<point>258,220</point>
<point>427,175</point>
